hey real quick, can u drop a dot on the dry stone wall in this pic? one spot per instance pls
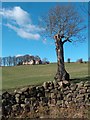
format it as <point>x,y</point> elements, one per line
<point>50,93</point>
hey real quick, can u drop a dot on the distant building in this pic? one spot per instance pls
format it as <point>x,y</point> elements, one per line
<point>37,62</point>
<point>31,62</point>
<point>21,60</point>
<point>80,60</point>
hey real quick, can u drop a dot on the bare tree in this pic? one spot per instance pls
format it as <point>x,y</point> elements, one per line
<point>85,8</point>
<point>14,60</point>
<point>64,24</point>
<point>4,61</point>
<point>37,58</point>
<point>9,60</point>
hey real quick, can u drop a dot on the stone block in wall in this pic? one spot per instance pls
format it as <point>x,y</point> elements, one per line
<point>65,83</point>
<point>53,101</point>
<point>40,92</point>
<point>47,94</point>
<point>47,90</point>
<point>53,95</point>
<point>8,101</point>
<point>66,89</point>
<point>87,96</point>
<point>55,83</point>
<point>80,100</point>
<point>17,100</point>
<point>76,93</point>
<point>6,95</point>
<point>27,108</point>
<point>70,95</point>
<point>55,91</point>
<point>69,99</point>
<point>40,89</point>
<point>60,84</point>
<point>33,92</point>
<point>87,84</point>
<point>74,100</point>
<point>73,87</point>
<point>16,107</point>
<point>61,96</point>
<point>45,99</point>
<point>39,95</point>
<point>25,89</point>
<point>12,100</point>
<point>67,92</point>
<point>17,91</point>
<point>50,88</point>
<point>52,85</point>
<point>17,95</point>
<point>32,100</point>
<point>4,102</point>
<point>7,110</point>
<point>22,97</point>
<point>27,100</point>
<point>36,103</point>
<point>45,85</point>
<point>22,106</point>
<point>66,102</point>
<point>58,96</point>
<point>88,90</point>
<point>27,95</point>
<point>59,88</point>
<point>80,84</point>
<point>80,95</point>
<point>82,91</point>
<point>58,103</point>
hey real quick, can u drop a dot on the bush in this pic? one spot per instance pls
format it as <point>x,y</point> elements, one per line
<point>68,60</point>
<point>80,60</point>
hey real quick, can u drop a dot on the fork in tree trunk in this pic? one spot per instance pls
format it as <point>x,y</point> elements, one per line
<point>61,72</point>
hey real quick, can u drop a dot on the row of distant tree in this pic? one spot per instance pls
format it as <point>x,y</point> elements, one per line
<point>18,60</point>
<point>79,60</point>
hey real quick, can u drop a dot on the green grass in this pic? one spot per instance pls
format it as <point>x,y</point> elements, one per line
<point>18,76</point>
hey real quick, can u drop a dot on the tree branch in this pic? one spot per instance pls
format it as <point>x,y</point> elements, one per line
<point>65,21</point>
<point>64,41</point>
<point>67,40</point>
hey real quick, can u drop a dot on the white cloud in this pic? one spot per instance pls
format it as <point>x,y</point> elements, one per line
<point>18,55</point>
<point>32,28</point>
<point>27,35</point>
<point>22,33</point>
<point>17,15</point>
<point>40,19</point>
<point>20,21</point>
<point>45,41</point>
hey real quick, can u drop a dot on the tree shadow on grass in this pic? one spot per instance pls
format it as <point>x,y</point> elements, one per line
<point>77,80</point>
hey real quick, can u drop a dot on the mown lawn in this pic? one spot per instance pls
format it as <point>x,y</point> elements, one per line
<point>18,76</point>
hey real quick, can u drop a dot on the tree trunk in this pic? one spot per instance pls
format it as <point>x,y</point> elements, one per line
<point>61,72</point>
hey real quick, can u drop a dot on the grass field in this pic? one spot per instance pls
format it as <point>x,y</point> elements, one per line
<point>18,76</point>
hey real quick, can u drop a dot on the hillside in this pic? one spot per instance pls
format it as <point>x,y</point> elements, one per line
<point>18,76</point>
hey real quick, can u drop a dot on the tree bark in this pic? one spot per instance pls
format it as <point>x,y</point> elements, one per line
<point>61,72</point>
